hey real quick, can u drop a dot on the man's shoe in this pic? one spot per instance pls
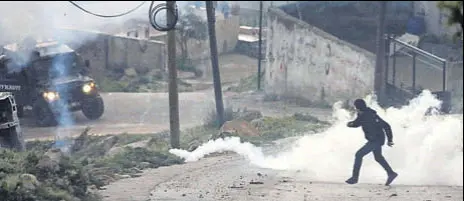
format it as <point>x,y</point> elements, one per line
<point>391,177</point>
<point>352,180</point>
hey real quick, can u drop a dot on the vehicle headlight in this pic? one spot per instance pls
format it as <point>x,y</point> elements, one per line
<point>87,88</point>
<point>51,96</point>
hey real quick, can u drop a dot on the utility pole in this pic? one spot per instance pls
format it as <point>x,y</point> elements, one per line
<point>210,14</point>
<point>259,43</point>
<point>379,79</point>
<point>172,86</point>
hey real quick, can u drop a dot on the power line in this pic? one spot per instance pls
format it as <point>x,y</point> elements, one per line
<point>171,11</point>
<point>107,16</point>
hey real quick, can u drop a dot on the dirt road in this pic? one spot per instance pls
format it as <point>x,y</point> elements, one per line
<point>229,178</point>
<point>232,178</point>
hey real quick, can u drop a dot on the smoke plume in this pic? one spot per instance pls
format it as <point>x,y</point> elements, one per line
<point>427,150</point>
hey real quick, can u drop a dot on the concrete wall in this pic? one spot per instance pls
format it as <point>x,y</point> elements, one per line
<point>107,52</point>
<point>226,36</point>
<point>306,62</point>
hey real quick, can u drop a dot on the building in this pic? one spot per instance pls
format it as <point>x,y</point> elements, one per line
<point>434,18</point>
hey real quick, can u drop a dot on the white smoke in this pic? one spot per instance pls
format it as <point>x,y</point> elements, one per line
<point>427,150</point>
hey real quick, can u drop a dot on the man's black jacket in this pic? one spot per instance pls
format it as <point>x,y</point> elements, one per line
<point>373,126</point>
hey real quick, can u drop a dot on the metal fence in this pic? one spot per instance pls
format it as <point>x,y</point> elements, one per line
<point>412,69</point>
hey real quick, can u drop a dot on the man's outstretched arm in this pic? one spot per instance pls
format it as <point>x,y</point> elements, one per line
<point>355,123</point>
<point>387,128</point>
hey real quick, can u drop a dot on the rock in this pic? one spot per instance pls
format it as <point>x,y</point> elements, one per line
<point>257,123</point>
<point>144,89</point>
<point>50,160</point>
<point>108,143</point>
<point>256,182</point>
<point>115,150</point>
<point>28,181</point>
<point>140,144</point>
<point>121,176</point>
<point>193,145</point>
<point>239,127</point>
<point>130,72</point>
<point>144,165</point>
<point>249,115</point>
<point>81,141</point>
<point>136,175</point>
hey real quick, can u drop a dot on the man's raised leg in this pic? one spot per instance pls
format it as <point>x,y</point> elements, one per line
<point>364,150</point>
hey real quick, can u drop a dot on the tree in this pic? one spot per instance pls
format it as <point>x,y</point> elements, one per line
<point>455,13</point>
<point>190,26</point>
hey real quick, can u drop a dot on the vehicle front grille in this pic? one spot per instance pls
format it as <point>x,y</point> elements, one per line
<point>70,92</point>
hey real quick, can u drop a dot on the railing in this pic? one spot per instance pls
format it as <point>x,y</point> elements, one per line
<point>405,55</point>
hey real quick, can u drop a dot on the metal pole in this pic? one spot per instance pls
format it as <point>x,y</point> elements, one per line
<point>379,85</point>
<point>210,14</point>
<point>444,76</point>
<point>414,73</point>
<point>387,57</point>
<point>394,64</point>
<point>172,86</point>
<point>259,43</point>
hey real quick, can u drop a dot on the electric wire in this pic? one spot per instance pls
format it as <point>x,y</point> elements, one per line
<point>154,10</point>
<point>106,16</point>
<point>152,13</point>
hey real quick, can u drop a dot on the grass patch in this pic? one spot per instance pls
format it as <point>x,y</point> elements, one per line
<point>249,83</point>
<point>274,128</point>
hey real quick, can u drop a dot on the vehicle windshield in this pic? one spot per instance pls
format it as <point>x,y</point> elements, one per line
<point>58,66</point>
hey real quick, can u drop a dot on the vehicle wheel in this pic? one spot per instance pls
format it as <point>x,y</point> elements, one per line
<point>43,114</point>
<point>11,139</point>
<point>5,141</point>
<point>93,108</point>
<point>17,140</point>
<point>20,111</point>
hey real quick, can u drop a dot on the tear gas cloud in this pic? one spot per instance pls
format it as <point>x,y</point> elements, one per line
<point>427,150</point>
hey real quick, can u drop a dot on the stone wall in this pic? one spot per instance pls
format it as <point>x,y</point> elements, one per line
<point>306,62</point>
<point>108,52</point>
<point>226,36</point>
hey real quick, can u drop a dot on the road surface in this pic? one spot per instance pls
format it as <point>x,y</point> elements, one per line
<point>145,113</point>
<point>132,113</point>
<point>230,178</point>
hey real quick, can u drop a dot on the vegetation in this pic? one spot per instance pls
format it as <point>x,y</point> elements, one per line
<point>247,84</point>
<point>45,173</point>
<point>189,26</point>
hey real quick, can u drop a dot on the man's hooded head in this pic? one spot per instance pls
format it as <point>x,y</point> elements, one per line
<point>360,104</point>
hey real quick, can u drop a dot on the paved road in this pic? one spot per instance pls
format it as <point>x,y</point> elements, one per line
<point>144,113</point>
<point>134,113</point>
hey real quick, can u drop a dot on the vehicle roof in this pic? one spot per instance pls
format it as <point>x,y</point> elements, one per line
<point>49,48</point>
<point>5,95</point>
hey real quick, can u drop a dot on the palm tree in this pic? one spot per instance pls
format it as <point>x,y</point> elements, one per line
<point>455,10</point>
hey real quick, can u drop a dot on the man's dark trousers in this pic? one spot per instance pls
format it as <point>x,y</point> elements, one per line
<point>375,148</point>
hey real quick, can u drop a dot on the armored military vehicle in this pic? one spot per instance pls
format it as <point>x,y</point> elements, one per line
<point>49,78</point>
<point>10,129</point>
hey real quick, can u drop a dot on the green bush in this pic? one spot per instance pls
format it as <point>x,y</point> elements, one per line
<point>211,119</point>
<point>23,179</point>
